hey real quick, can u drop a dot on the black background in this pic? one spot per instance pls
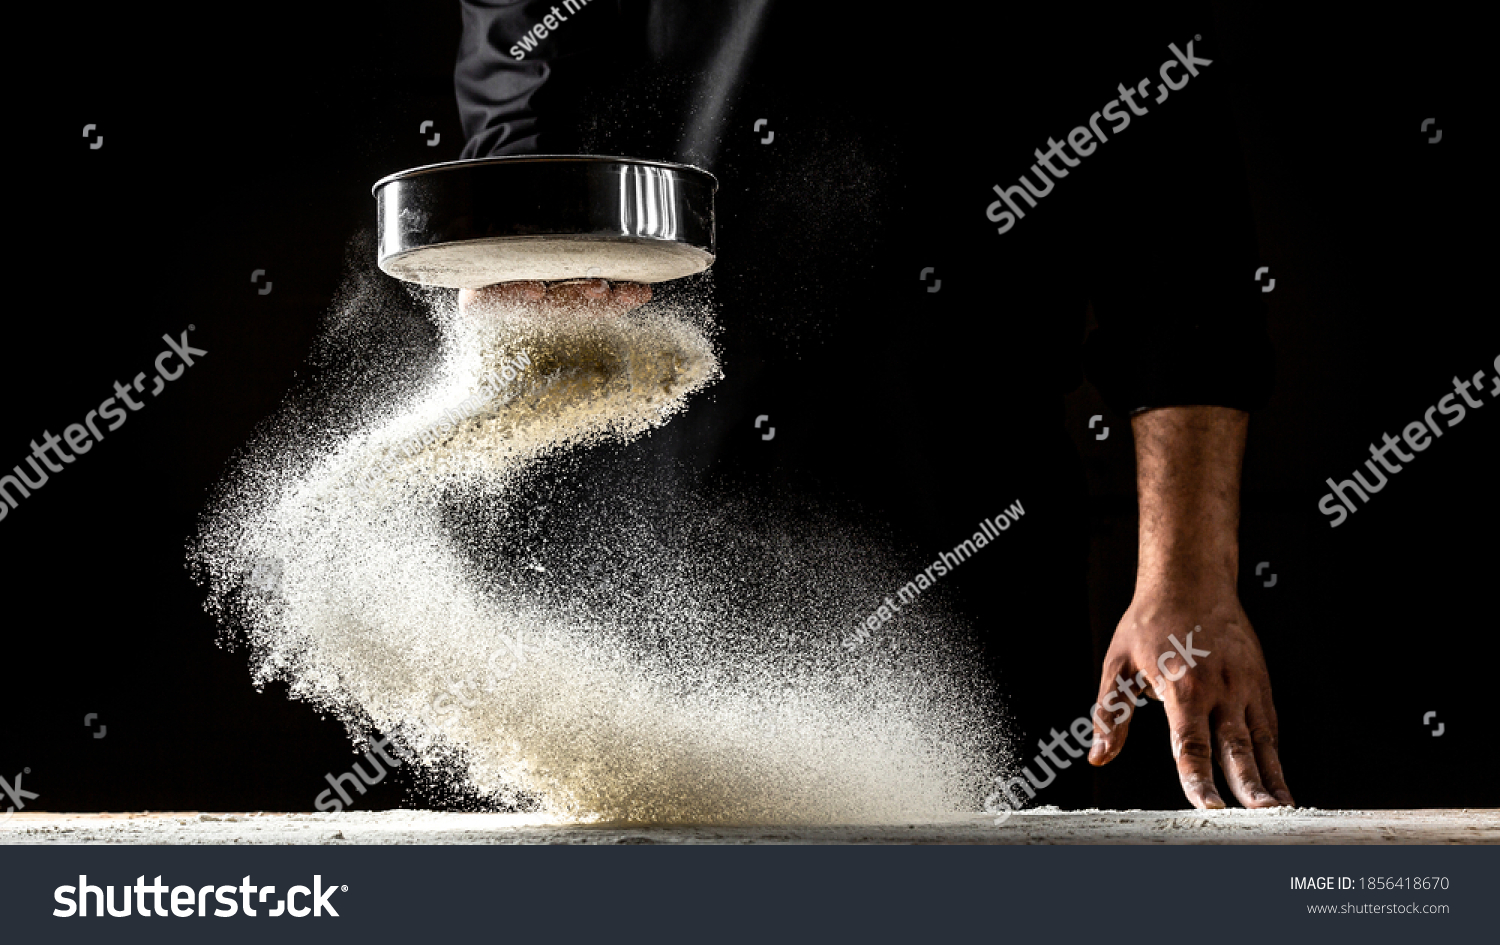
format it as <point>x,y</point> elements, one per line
<point>243,139</point>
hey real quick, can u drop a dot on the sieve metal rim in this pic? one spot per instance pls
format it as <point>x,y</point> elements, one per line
<point>541,159</point>
<point>424,213</point>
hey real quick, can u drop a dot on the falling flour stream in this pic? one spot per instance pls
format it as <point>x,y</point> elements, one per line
<point>676,660</point>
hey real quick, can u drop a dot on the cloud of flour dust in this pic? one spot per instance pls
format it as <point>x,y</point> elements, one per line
<point>681,658</point>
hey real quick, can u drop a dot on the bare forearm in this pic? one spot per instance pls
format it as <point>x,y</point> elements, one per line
<point>1188,462</point>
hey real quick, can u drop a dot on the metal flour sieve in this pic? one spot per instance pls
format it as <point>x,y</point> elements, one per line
<point>467,224</point>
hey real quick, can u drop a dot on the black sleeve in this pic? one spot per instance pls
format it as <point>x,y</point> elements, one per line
<point>1181,318</point>
<point>518,94</point>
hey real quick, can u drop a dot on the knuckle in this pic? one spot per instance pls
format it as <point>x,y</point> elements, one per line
<point>1236,744</point>
<point>1268,710</point>
<point>1192,745</point>
<point>1188,691</point>
<point>1264,734</point>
